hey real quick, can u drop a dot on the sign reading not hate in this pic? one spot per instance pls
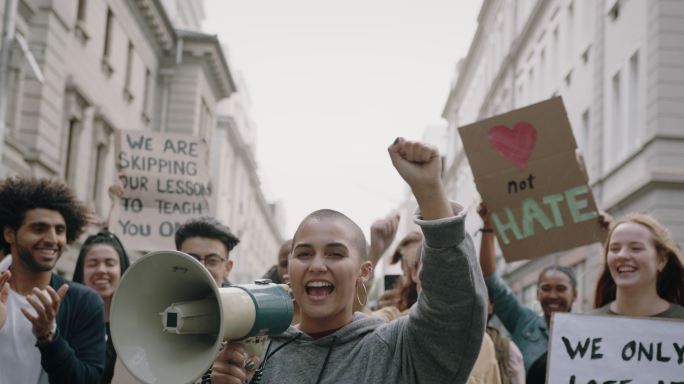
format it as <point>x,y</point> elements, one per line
<point>587,349</point>
<point>527,171</point>
<point>165,180</point>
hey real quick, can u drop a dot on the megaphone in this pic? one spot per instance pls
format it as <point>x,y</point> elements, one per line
<point>169,320</point>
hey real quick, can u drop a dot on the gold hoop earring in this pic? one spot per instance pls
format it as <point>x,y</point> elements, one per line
<point>365,291</point>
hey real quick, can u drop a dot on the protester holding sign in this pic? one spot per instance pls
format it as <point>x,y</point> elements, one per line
<point>643,274</point>
<point>100,264</point>
<point>437,343</point>
<point>557,291</point>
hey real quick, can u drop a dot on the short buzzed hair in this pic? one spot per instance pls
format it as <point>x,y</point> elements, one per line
<point>206,227</point>
<point>358,239</point>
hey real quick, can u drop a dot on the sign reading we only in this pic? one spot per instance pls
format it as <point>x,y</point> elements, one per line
<point>587,349</point>
<point>527,172</point>
<point>165,182</point>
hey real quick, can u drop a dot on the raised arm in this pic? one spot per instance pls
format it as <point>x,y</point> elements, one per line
<point>442,337</point>
<point>487,247</point>
<point>506,306</point>
<point>382,233</point>
<point>419,165</point>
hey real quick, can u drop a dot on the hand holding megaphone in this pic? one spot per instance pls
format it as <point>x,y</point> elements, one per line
<point>169,320</point>
<point>234,362</point>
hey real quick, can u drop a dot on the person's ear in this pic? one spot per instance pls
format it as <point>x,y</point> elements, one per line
<point>662,261</point>
<point>229,266</point>
<point>365,272</point>
<point>9,234</point>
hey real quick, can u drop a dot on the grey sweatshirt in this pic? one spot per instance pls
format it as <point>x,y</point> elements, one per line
<point>437,343</point>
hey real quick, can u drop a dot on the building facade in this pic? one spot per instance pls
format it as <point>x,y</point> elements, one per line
<point>107,65</point>
<point>619,65</point>
<point>239,200</point>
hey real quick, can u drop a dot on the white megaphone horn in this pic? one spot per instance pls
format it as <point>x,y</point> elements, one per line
<point>169,319</point>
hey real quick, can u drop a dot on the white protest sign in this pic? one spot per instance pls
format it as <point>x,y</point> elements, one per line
<point>586,349</point>
<point>165,178</point>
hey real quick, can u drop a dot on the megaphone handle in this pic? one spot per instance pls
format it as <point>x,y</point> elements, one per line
<point>255,345</point>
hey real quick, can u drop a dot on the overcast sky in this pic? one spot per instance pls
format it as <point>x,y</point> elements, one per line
<point>333,83</point>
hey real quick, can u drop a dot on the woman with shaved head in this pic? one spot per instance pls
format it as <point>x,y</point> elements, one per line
<point>437,343</point>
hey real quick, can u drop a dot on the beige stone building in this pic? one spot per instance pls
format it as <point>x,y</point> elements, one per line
<point>109,65</point>
<point>619,65</point>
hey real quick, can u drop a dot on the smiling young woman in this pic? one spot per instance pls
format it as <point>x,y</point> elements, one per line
<point>643,273</point>
<point>101,262</point>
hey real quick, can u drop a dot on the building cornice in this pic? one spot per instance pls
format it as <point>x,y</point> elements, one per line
<point>200,44</point>
<point>157,20</point>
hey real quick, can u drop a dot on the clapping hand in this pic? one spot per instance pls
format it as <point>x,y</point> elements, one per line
<point>4,295</point>
<point>46,307</point>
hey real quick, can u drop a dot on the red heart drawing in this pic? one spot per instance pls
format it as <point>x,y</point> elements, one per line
<point>515,145</point>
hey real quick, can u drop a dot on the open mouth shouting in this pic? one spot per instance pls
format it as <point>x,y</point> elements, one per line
<point>319,289</point>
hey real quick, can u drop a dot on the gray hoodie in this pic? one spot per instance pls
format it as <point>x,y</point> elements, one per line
<point>437,343</point>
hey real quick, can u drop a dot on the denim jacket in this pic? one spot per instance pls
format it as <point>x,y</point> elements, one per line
<point>528,330</point>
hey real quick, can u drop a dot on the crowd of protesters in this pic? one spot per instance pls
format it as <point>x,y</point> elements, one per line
<point>432,327</point>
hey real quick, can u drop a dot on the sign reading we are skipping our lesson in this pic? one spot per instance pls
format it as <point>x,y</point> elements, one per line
<point>527,172</point>
<point>165,180</point>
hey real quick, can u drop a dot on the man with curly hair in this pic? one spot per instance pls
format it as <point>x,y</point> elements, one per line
<point>51,330</point>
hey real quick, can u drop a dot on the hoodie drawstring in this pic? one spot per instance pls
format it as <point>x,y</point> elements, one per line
<point>260,371</point>
<point>327,357</point>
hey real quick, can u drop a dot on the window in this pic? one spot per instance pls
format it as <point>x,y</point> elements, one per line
<point>554,56</point>
<point>81,11</point>
<point>570,33</point>
<point>634,133</point>
<point>146,97</point>
<point>615,136</point>
<point>79,28</point>
<point>205,119</point>
<point>107,47</point>
<point>100,155</point>
<point>70,144</point>
<point>530,93</point>
<point>108,34</point>
<point>129,73</point>
<point>585,55</point>
<point>613,9</point>
<point>583,140</point>
<point>15,85</point>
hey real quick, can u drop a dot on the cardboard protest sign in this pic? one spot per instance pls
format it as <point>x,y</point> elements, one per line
<point>615,349</point>
<point>527,172</point>
<point>165,179</point>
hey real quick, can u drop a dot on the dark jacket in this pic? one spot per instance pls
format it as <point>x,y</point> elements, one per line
<point>77,352</point>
